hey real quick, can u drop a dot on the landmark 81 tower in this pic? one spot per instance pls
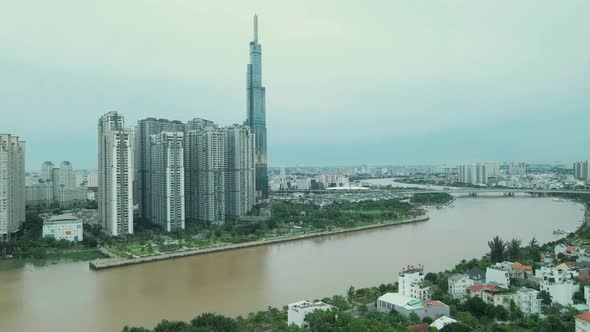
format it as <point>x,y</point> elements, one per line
<point>256,117</point>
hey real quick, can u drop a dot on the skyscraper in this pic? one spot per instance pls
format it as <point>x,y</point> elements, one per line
<point>115,174</point>
<point>240,175</point>
<point>205,173</point>
<point>145,129</point>
<point>582,170</point>
<point>167,180</point>
<point>256,111</point>
<point>12,185</point>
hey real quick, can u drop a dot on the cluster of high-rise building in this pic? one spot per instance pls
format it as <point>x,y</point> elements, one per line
<point>178,171</point>
<point>517,169</point>
<point>478,173</point>
<point>582,170</point>
<point>12,185</point>
<point>60,185</point>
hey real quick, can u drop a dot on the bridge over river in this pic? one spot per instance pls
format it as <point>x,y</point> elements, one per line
<point>454,190</point>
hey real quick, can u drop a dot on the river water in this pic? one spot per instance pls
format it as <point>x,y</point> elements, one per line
<point>70,297</point>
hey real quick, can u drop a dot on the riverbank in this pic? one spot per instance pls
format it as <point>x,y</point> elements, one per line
<point>103,264</point>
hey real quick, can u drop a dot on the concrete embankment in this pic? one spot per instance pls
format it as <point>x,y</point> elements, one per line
<point>102,264</point>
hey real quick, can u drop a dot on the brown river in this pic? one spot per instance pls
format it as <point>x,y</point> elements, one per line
<point>69,297</point>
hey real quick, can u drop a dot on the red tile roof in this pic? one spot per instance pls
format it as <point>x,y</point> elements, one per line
<point>585,316</point>
<point>520,266</point>
<point>432,303</point>
<point>476,287</point>
<point>570,249</point>
<point>570,264</point>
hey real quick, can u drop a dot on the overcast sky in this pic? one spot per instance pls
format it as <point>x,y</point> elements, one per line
<point>348,82</point>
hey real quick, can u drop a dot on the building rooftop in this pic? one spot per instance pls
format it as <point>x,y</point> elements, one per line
<point>62,219</point>
<point>307,304</point>
<point>400,300</point>
<point>433,304</point>
<point>441,322</point>
<point>520,266</point>
<point>585,316</point>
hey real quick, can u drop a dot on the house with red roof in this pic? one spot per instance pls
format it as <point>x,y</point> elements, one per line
<point>583,322</point>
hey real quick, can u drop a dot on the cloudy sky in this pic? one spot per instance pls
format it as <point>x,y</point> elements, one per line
<point>348,82</point>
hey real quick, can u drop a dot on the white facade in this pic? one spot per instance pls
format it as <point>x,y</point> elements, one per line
<point>167,180</point>
<point>12,185</point>
<point>478,174</point>
<point>582,170</point>
<point>517,169</point>
<point>298,311</point>
<point>115,174</point>
<point>458,285</point>
<point>406,305</point>
<point>527,300</point>
<point>64,227</point>
<point>560,282</point>
<point>498,275</point>
<point>411,283</point>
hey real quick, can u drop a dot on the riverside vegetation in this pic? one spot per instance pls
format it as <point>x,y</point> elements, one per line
<point>287,220</point>
<point>355,309</point>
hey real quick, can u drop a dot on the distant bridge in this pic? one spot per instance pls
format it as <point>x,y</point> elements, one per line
<point>470,191</point>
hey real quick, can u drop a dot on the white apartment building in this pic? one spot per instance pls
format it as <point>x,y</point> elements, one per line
<point>527,300</point>
<point>582,170</point>
<point>12,185</point>
<point>458,285</point>
<point>115,174</point>
<point>240,176</point>
<point>167,180</point>
<point>63,227</point>
<point>476,174</point>
<point>498,274</point>
<point>560,282</point>
<point>517,169</point>
<point>205,173</point>
<point>298,310</point>
<point>411,283</point>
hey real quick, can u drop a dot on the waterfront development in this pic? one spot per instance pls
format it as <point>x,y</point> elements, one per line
<point>240,281</point>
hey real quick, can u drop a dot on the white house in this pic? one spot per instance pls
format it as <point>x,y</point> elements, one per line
<point>441,322</point>
<point>63,227</point>
<point>587,294</point>
<point>458,285</point>
<point>527,300</point>
<point>498,274</point>
<point>298,311</point>
<point>411,283</point>
<point>583,322</point>
<point>406,305</point>
<point>560,282</point>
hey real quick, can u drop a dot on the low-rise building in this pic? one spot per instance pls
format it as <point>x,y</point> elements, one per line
<point>498,274</point>
<point>298,310</point>
<point>441,322</point>
<point>491,293</point>
<point>63,227</point>
<point>560,282</point>
<point>411,283</point>
<point>583,322</point>
<point>406,305</point>
<point>527,299</point>
<point>458,285</point>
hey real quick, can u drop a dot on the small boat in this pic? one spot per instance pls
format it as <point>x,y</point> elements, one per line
<point>559,231</point>
<point>557,200</point>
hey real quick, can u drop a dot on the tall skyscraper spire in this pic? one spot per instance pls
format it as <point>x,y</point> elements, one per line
<point>256,111</point>
<point>255,29</point>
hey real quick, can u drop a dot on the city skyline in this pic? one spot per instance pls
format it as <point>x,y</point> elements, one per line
<point>372,83</point>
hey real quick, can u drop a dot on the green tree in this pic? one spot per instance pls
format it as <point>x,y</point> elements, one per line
<point>350,293</point>
<point>497,249</point>
<point>545,297</point>
<point>513,248</point>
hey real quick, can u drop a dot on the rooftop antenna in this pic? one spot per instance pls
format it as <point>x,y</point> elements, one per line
<point>255,28</point>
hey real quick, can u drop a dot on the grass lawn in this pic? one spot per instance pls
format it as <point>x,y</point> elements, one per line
<point>370,212</point>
